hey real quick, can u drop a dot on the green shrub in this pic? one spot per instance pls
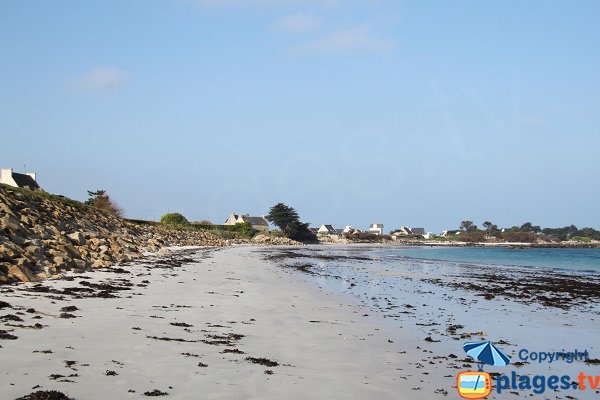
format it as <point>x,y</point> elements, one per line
<point>584,239</point>
<point>244,229</point>
<point>174,219</point>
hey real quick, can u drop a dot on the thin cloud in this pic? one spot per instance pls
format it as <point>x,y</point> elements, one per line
<point>100,80</point>
<point>354,40</point>
<point>296,23</point>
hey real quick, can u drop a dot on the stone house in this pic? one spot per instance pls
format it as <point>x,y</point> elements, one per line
<point>258,223</point>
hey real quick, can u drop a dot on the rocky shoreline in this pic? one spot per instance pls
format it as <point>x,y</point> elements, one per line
<point>42,235</point>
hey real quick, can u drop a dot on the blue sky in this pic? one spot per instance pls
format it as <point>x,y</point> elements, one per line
<point>352,111</point>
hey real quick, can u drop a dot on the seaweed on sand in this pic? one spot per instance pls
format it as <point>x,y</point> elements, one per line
<point>45,395</point>
<point>156,392</point>
<point>262,361</point>
<point>4,335</point>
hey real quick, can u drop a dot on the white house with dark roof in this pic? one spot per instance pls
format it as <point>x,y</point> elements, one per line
<point>327,230</point>
<point>405,230</point>
<point>258,223</point>
<point>27,180</point>
<point>351,230</point>
<point>450,232</point>
<point>376,229</point>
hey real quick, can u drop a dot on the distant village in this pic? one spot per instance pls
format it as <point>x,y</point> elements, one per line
<point>328,231</point>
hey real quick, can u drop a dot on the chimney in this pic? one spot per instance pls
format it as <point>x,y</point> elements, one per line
<point>33,175</point>
<point>6,175</point>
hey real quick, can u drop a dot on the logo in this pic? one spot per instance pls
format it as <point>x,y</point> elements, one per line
<point>478,384</point>
<point>474,385</point>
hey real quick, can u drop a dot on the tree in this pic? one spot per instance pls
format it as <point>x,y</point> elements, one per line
<point>468,226</point>
<point>589,232</point>
<point>490,227</point>
<point>287,219</point>
<point>100,200</point>
<point>282,216</point>
<point>300,231</point>
<point>529,227</point>
<point>94,195</point>
<point>561,233</point>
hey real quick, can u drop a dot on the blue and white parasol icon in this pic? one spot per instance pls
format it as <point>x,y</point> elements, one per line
<point>486,353</point>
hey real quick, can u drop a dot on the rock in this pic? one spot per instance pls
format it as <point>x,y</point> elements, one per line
<point>60,262</point>
<point>163,252</point>
<point>20,273</point>
<point>16,239</point>
<point>34,242</point>
<point>273,240</point>
<point>100,264</point>
<point>11,223</point>
<point>9,250</point>
<point>77,238</point>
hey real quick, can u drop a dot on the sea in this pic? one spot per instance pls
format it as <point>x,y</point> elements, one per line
<point>570,259</point>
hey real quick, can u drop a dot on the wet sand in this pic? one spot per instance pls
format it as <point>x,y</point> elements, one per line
<point>439,306</point>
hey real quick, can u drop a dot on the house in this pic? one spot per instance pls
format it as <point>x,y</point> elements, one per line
<point>450,233</point>
<point>350,230</point>
<point>418,231</point>
<point>27,180</point>
<point>428,235</point>
<point>327,230</point>
<point>376,229</point>
<point>258,223</point>
<point>15,179</point>
<point>403,230</point>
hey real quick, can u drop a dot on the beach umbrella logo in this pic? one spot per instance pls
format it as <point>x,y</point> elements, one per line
<point>478,384</point>
<point>486,353</point>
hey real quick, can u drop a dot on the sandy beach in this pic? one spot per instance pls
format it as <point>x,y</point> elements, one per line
<point>247,322</point>
<point>221,295</point>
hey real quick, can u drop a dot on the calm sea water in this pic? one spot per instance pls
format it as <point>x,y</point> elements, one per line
<point>565,259</point>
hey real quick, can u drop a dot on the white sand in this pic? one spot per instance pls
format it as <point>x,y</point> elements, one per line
<point>343,356</point>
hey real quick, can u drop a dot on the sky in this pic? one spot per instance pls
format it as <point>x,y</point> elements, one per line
<point>418,113</point>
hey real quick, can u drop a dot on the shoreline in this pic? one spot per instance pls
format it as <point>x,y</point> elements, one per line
<point>429,243</point>
<point>441,307</point>
<point>559,245</point>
